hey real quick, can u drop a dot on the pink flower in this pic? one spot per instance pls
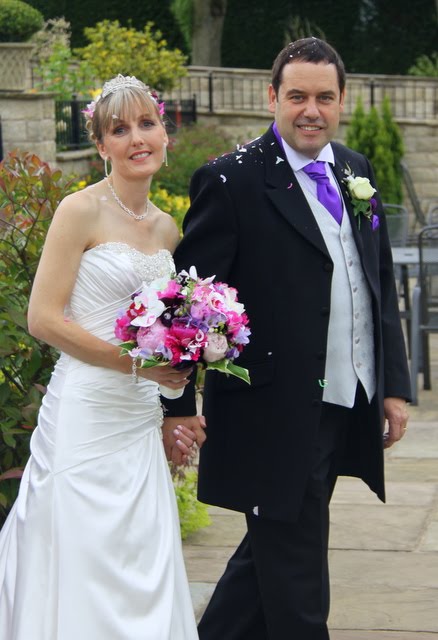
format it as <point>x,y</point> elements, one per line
<point>216,348</point>
<point>121,329</point>
<point>215,301</point>
<point>150,338</point>
<point>183,333</point>
<point>171,291</point>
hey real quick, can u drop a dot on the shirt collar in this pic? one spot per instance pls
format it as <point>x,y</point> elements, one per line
<point>297,160</point>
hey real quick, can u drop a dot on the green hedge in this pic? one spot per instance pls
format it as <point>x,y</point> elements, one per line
<point>83,14</point>
<point>18,21</point>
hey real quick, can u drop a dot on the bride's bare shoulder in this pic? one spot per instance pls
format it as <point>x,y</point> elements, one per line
<point>85,203</point>
<point>168,229</point>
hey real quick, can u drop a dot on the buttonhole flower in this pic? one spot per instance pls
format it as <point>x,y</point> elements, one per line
<point>361,194</point>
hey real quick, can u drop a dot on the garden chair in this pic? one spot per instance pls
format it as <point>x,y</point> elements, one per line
<point>424,315</point>
<point>397,221</point>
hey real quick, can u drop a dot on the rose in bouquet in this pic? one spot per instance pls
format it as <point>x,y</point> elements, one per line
<point>183,321</point>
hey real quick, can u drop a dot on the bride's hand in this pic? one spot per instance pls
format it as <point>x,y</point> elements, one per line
<point>182,436</point>
<point>167,375</point>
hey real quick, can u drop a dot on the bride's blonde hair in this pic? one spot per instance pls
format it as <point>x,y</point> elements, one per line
<point>119,97</point>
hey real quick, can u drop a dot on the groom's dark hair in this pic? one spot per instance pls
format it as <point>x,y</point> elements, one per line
<point>307,50</point>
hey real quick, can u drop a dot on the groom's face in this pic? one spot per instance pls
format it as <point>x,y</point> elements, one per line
<point>308,105</point>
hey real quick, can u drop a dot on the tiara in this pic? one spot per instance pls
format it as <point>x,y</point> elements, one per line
<point>119,83</point>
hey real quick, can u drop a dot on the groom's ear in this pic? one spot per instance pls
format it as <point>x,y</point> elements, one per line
<point>272,99</point>
<point>342,100</point>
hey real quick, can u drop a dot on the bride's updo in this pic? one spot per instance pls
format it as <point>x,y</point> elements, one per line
<point>119,96</point>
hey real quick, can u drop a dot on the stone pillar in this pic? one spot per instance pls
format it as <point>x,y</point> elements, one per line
<point>28,123</point>
<point>15,70</point>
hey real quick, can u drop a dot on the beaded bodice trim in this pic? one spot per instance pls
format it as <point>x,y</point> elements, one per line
<point>147,266</point>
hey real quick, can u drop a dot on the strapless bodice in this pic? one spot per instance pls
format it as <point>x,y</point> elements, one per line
<point>108,275</point>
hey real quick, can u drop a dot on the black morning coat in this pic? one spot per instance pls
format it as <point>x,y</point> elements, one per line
<point>249,223</point>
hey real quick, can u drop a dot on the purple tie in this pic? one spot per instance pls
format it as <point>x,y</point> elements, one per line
<point>327,194</point>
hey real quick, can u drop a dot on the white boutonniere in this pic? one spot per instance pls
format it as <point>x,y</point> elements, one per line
<point>361,194</point>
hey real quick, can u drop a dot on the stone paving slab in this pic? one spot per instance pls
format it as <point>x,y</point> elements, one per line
<point>398,492</point>
<point>206,564</point>
<point>351,634</point>
<point>386,608</point>
<point>412,470</point>
<point>385,527</point>
<point>420,441</point>
<point>226,530</point>
<point>376,569</point>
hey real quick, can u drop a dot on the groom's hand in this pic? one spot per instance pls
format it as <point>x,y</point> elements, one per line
<point>180,435</point>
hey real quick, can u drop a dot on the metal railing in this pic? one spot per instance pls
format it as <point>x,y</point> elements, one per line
<point>70,124</point>
<point>221,89</point>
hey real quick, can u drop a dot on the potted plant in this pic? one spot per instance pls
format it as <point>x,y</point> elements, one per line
<point>18,22</point>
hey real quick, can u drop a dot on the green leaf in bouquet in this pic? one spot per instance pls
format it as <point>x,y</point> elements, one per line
<point>126,346</point>
<point>219,365</point>
<point>152,362</point>
<point>227,367</point>
<point>239,372</point>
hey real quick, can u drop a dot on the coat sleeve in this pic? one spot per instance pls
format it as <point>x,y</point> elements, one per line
<point>209,243</point>
<point>210,227</point>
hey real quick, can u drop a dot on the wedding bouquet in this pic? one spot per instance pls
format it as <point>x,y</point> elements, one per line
<point>182,321</point>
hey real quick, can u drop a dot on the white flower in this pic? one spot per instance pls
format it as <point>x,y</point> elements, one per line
<point>154,307</point>
<point>230,295</point>
<point>360,188</point>
<point>216,348</point>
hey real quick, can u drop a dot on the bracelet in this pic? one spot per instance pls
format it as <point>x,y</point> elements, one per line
<point>134,370</point>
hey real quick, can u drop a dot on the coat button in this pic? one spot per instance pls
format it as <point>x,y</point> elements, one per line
<point>320,355</point>
<point>328,266</point>
<point>325,311</point>
<point>316,403</point>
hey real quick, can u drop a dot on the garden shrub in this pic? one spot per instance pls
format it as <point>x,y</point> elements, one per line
<point>378,137</point>
<point>425,66</point>
<point>29,194</point>
<point>191,147</point>
<point>193,515</point>
<point>18,21</point>
<point>114,49</point>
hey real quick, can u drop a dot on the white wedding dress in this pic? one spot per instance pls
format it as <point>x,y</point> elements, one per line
<point>91,549</point>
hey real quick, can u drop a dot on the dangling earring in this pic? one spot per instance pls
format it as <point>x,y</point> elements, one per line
<point>105,162</point>
<point>165,154</point>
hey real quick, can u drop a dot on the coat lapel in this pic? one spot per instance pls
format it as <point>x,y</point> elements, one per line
<point>338,170</point>
<point>284,191</point>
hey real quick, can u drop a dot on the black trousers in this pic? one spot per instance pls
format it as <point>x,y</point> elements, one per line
<point>276,585</point>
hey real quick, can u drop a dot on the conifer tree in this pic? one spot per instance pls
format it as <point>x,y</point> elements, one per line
<point>396,145</point>
<point>377,136</point>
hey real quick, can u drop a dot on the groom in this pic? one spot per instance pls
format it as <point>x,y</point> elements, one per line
<point>326,358</point>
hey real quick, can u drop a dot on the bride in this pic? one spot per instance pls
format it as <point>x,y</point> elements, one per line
<point>91,549</point>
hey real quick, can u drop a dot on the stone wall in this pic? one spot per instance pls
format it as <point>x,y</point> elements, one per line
<point>28,123</point>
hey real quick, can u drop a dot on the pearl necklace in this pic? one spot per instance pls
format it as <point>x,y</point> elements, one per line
<point>142,216</point>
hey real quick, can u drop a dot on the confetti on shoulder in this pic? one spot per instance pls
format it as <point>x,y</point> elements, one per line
<point>223,178</point>
<point>279,160</point>
<point>290,185</point>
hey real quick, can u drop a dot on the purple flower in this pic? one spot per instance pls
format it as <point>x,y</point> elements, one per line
<point>375,222</point>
